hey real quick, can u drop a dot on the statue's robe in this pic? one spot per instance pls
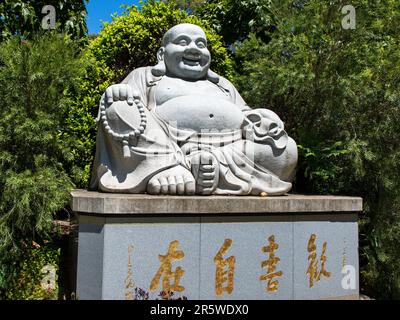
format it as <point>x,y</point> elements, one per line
<point>163,146</point>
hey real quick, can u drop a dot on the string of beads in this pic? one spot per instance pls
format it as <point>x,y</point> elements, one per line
<point>131,135</point>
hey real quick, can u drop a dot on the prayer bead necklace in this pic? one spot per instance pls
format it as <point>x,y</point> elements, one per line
<point>131,135</point>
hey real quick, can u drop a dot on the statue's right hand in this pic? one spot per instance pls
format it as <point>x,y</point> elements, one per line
<point>120,92</point>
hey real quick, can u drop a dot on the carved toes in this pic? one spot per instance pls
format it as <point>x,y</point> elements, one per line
<point>190,186</point>
<point>154,186</point>
<point>166,183</point>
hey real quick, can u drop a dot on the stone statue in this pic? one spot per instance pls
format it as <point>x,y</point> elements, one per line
<point>178,128</point>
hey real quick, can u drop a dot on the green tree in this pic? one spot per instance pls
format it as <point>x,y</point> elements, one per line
<point>338,92</point>
<point>234,20</point>
<point>36,79</point>
<point>24,17</point>
<point>190,6</point>
<point>130,41</point>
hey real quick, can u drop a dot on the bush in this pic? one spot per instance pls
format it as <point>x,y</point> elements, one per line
<point>338,92</point>
<point>130,41</point>
<point>36,274</point>
<point>36,78</point>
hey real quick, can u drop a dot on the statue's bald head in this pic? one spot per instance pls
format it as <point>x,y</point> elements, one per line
<point>184,52</point>
<point>181,28</point>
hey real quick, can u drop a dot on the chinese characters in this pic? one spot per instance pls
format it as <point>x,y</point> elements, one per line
<point>270,265</point>
<point>225,269</point>
<point>166,270</point>
<point>169,275</point>
<point>129,284</point>
<point>313,271</point>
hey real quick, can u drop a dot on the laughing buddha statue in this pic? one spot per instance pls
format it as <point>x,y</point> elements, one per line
<point>178,128</point>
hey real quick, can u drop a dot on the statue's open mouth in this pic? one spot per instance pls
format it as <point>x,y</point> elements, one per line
<point>191,61</point>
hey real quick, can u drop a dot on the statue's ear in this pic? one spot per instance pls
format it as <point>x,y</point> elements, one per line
<point>160,69</point>
<point>160,54</point>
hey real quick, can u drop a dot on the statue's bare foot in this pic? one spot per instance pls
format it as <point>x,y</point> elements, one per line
<point>206,172</point>
<point>176,180</point>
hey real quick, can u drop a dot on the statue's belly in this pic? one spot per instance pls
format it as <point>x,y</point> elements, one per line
<point>201,113</point>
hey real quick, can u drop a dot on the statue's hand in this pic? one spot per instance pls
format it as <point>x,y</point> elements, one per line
<point>120,92</point>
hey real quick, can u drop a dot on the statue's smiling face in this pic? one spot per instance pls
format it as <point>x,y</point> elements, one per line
<point>185,52</point>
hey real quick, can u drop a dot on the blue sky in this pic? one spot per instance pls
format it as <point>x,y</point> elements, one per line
<point>101,10</point>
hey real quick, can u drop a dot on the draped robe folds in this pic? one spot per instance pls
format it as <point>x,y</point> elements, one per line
<point>163,146</point>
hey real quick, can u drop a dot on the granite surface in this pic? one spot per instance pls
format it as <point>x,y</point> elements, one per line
<point>91,202</point>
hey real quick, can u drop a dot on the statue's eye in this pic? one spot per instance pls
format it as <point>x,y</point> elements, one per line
<point>201,45</point>
<point>183,42</point>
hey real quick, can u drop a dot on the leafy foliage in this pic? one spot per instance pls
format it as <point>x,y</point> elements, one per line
<point>338,92</point>
<point>190,6</point>
<point>234,20</point>
<point>35,80</point>
<point>24,17</point>
<point>130,41</point>
<point>31,271</point>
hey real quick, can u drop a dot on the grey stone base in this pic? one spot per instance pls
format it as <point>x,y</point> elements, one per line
<point>120,251</point>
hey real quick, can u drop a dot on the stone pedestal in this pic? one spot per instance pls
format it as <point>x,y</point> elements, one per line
<point>217,247</point>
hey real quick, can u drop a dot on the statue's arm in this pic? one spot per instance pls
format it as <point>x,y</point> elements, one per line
<point>261,125</point>
<point>235,96</point>
<point>131,88</point>
<point>138,80</point>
